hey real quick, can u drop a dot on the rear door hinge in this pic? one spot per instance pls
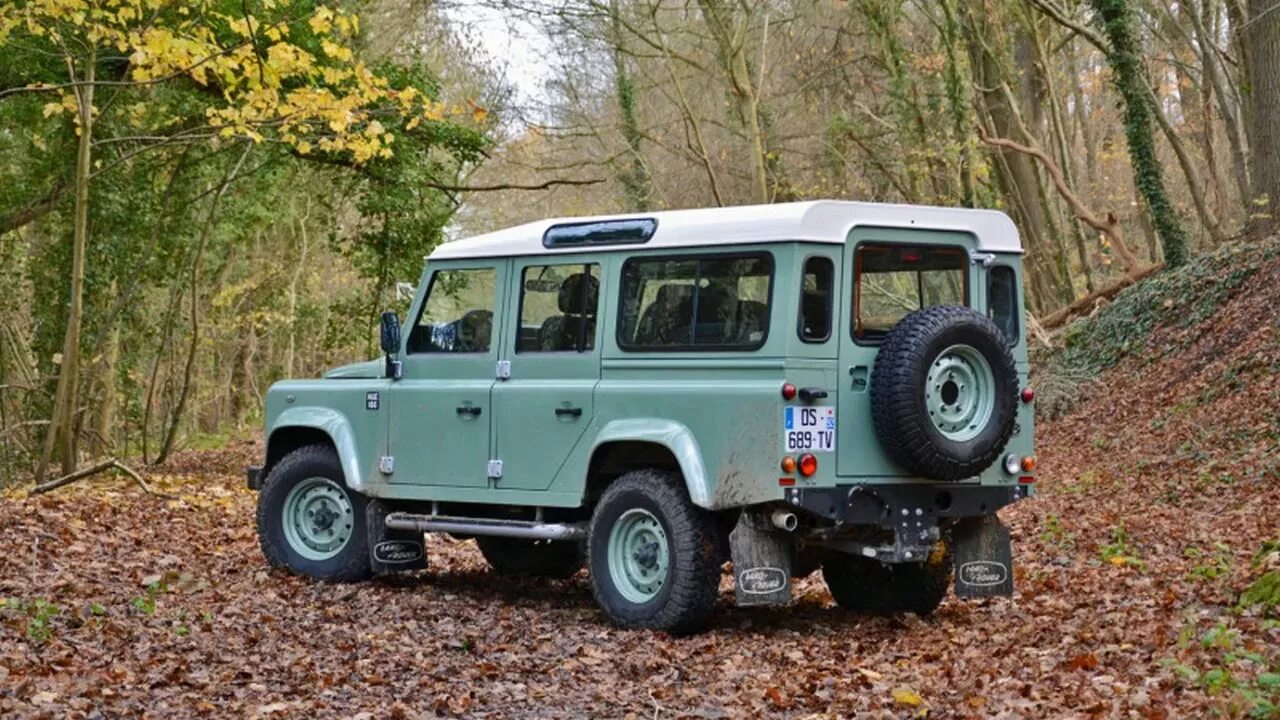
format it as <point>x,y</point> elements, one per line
<point>503,370</point>
<point>386,464</point>
<point>494,469</point>
<point>981,258</point>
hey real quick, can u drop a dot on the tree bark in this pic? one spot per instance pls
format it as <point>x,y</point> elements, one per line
<point>731,46</point>
<point>635,177</point>
<point>1263,37</point>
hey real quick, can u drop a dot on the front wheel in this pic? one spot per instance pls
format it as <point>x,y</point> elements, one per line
<point>653,554</point>
<point>309,521</point>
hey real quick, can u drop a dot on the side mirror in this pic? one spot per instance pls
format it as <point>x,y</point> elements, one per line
<point>390,333</point>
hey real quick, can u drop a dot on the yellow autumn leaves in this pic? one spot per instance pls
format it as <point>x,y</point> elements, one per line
<point>272,86</point>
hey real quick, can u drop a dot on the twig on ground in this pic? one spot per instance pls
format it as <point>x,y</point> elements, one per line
<point>109,464</point>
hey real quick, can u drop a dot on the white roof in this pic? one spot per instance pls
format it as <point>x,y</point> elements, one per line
<point>826,221</point>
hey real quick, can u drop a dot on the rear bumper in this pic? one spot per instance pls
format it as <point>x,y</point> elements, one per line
<point>915,513</point>
<point>893,505</point>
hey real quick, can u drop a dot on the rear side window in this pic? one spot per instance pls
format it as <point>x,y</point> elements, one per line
<point>1002,301</point>
<point>695,303</point>
<point>558,308</point>
<point>457,316</point>
<point>815,299</point>
<point>891,281</point>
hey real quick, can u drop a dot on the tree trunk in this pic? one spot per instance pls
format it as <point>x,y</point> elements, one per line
<point>105,420</point>
<point>61,436</point>
<point>1015,173</point>
<point>1263,38</point>
<point>634,178</point>
<point>1125,57</point>
<point>730,43</point>
<point>957,104</point>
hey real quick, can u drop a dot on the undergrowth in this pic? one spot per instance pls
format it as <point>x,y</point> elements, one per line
<point>1183,297</point>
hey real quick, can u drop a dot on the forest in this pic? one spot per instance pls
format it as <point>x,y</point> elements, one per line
<point>201,197</point>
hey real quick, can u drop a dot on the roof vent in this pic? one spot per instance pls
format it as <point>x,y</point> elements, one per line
<point>600,232</point>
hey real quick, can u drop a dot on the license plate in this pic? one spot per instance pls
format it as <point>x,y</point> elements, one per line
<point>809,429</point>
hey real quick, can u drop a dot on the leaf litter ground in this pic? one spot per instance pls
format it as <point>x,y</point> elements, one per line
<point>1155,492</point>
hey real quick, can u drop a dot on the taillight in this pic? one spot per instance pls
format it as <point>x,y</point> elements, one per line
<point>1029,463</point>
<point>808,465</point>
<point>1028,394</point>
<point>788,464</point>
<point>788,391</point>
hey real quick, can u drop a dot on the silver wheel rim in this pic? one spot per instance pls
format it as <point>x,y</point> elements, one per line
<point>959,393</point>
<point>318,519</point>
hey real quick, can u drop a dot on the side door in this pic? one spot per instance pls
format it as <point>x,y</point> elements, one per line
<point>542,410</point>
<point>441,410</point>
<point>890,273</point>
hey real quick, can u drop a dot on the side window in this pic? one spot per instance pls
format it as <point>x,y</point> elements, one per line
<point>891,281</point>
<point>558,305</point>
<point>1002,301</point>
<point>695,303</point>
<point>815,299</point>
<point>457,316</point>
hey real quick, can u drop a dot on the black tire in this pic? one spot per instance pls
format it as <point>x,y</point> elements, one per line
<point>899,413</point>
<point>869,586</point>
<point>536,558</point>
<point>685,600</point>
<point>805,562</point>
<point>351,563</point>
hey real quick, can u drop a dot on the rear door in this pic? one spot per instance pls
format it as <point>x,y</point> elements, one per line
<point>889,273</point>
<point>542,410</point>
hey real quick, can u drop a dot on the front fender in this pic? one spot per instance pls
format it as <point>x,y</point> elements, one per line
<point>672,435</point>
<point>332,423</point>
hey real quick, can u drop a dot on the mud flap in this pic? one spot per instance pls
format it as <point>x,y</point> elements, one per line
<point>761,563</point>
<point>984,558</point>
<point>391,550</point>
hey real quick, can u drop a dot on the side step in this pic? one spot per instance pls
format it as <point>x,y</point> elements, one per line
<point>528,529</point>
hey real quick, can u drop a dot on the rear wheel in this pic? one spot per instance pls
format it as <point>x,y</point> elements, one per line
<point>309,521</point>
<point>869,586</point>
<point>653,554</point>
<point>536,558</point>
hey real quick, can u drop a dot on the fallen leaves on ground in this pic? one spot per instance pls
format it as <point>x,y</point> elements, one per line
<point>124,604</point>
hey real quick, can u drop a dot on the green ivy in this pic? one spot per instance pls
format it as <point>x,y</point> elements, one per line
<point>1125,58</point>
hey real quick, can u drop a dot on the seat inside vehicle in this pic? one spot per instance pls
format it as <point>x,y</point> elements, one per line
<point>560,332</point>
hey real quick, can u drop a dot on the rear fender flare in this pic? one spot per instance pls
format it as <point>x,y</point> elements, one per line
<point>676,438</point>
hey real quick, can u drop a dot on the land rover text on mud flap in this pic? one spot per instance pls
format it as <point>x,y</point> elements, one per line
<point>823,385</point>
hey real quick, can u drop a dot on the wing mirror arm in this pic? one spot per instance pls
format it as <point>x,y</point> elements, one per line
<point>390,337</point>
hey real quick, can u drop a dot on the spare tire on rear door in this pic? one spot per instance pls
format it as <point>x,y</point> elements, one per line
<point>944,392</point>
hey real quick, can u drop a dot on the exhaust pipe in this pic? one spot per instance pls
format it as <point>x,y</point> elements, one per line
<point>784,520</point>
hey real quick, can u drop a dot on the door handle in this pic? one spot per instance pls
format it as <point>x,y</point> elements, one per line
<point>472,410</point>
<point>569,412</point>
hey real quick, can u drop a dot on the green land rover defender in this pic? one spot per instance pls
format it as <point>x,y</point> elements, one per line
<point>822,385</point>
